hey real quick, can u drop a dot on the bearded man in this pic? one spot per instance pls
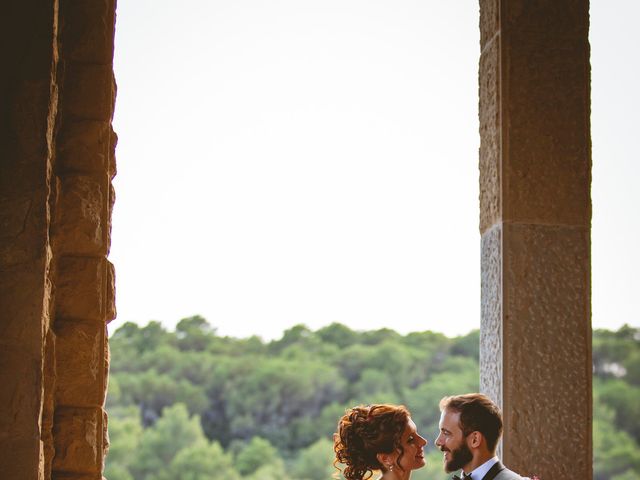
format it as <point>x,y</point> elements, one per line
<point>470,427</point>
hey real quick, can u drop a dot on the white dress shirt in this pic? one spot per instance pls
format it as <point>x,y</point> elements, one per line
<point>481,471</point>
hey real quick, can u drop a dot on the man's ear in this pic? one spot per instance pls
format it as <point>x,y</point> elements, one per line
<point>475,439</point>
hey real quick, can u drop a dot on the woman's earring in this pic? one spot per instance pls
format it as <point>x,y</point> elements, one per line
<point>390,466</point>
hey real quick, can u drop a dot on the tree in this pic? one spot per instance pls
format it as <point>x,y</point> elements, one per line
<point>161,442</point>
<point>314,462</point>
<point>337,334</point>
<point>194,333</point>
<point>623,399</point>
<point>291,393</point>
<point>202,461</point>
<point>255,454</point>
<point>125,433</point>
<point>614,451</point>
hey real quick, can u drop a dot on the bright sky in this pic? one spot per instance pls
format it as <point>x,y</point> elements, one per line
<point>289,161</point>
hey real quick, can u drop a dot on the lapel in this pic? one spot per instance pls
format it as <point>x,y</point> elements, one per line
<point>493,471</point>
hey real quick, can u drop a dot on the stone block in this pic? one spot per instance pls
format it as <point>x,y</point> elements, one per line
<point>81,378</point>
<point>77,435</point>
<point>490,137</point>
<point>80,216</point>
<point>48,407</point>
<point>105,434</point>
<point>20,457</point>
<point>545,71</point>
<point>111,292</point>
<point>491,314</point>
<point>88,91</point>
<point>23,289</point>
<point>28,122</point>
<point>489,21</point>
<point>87,31</point>
<point>112,155</point>
<point>546,332</point>
<point>83,147</point>
<point>80,288</point>
<point>21,394</point>
<point>23,229</point>
<point>112,201</point>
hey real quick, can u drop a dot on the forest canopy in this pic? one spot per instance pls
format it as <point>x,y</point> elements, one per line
<point>190,404</point>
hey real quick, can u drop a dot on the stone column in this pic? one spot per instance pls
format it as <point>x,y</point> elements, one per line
<point>535,214</point>
<point>83,277</point>
<point>56,285</point>
<point>28,94</point>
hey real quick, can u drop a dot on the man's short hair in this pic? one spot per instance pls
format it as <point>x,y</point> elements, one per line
<point>477,413</point>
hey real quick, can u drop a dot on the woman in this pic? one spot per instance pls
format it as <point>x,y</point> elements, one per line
<point>378,438</point>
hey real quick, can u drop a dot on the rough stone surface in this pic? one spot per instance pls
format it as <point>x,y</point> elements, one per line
<point>88,29</point>
<point>48,406</point>
<point>78,440</point>
<point>89,91</point>
<point>80,363</point>
<point>26,218</point>
<point>21,392</point>
<point>80,290</point>
<point>78,227</point>
<point>547,346</point>
<point>111,292</point>
<point>22,457</point>
<point>490,136</point>
<point>545,70</point>
<point>535,220</point>
<point>55,124</point>
<point>491,314</point>
<point>489,21</point>
<point>22,290</point>
<point>83,147</point>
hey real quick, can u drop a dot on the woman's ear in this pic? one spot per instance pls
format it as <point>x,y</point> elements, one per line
<point>385,459</point>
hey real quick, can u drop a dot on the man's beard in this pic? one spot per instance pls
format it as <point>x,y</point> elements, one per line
<point>459,458</point>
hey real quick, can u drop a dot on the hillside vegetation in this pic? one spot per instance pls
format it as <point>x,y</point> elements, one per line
<point>192,405</point>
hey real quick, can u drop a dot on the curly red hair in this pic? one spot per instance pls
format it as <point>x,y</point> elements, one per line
<point>364,432</point>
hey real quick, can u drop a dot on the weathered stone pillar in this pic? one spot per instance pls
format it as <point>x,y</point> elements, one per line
<point>83,277</point>
<point>535,172</point>
<point>56,285</point>
<point>28,94</point>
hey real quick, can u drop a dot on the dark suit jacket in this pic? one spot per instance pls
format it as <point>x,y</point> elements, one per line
<point>500,472</point>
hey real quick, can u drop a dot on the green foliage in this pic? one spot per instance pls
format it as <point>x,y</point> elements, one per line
<point>615,452</point>
<point>192,405</point>
<point>202,461</point>
<point>624,400</point>
<point>314,462</point>
<point>255,454</point>
<point>161,442</point>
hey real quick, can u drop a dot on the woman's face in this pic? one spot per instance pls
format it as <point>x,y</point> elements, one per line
<point>413,445</point>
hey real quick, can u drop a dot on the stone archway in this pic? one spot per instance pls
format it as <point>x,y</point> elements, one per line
<point>56,284</point>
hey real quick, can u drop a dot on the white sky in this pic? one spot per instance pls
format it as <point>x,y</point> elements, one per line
<point>307,161</point>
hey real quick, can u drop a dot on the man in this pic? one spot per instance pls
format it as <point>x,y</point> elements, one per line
<point>470,427</point>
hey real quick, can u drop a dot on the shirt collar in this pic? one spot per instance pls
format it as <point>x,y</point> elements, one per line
<point>481,471</point>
